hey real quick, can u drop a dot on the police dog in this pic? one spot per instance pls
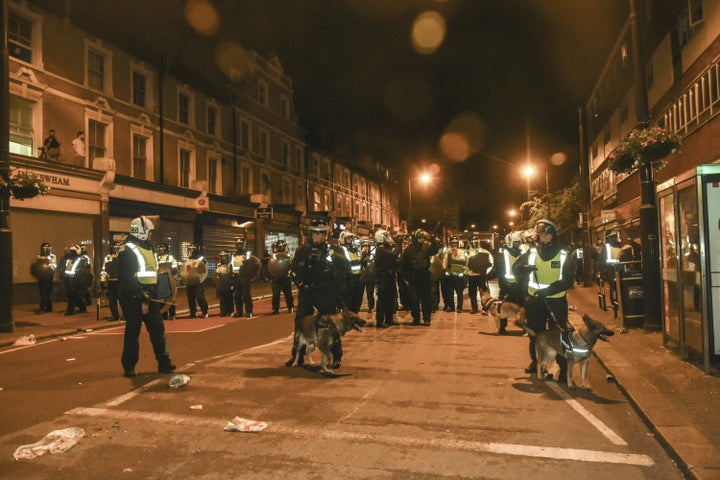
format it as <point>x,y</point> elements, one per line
<point>500,311</point>
<point>547,346</point>
<point>322,331</point>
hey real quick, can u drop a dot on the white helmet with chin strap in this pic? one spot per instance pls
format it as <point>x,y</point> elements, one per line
<point>141,227</point>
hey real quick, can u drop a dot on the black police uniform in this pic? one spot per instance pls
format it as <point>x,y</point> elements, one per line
<point>415,265</point>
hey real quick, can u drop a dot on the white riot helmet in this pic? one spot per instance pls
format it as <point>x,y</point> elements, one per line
<point>141,227</point>
<point>346,237</point>
<point>511,238</point>
<point>383,236</point>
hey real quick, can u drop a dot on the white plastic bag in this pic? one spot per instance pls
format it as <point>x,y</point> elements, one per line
<point>239,424</point>
<point>56,441</point>
<point>178,380</point>
<point>26,340</point>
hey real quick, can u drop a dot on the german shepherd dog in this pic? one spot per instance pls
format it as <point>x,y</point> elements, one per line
<point>547,346</point>
<point>321,331</point>
<point>500,311</point>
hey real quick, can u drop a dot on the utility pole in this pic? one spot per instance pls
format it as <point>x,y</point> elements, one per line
<point>6,248</point>
<point>648,206</point>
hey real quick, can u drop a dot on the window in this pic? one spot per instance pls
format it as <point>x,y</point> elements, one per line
<point>183,109</point>
<point>96,69</point>
<point>214,185</point>
<point>95,140</point>
<point>263,142</point>
<point>623,110</point>
<point>606,135</point>
<point>262,92</point>
<point>212,120</point>
<point>287,192</point>
<point>696,13</point>
<point>300,194</point>
<point>285,106</point>
<point>245,135</point>
<point>315,164</point>
<point>20,37</point>
<point>246,180</point>
<point>139,89</point>
<point>649,76</point>
<point>298,159</point>
<point>139,153</point>
<point>186,169</point>
<point>21,123</point>
<point>286,154</point>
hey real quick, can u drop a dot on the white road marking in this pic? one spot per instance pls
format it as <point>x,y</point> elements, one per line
<point>279,340</point>
<point>535,451</point>
<point>23,347</point>
<point>370,394</point>
<point>594,421</point>
<point>130,395</point>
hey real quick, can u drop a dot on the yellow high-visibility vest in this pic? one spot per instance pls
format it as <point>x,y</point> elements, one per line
<point>147,264</point>
<point>549,271</point>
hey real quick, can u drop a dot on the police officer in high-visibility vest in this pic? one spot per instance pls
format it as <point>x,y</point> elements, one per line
<point>455,264</point>
<point>480,266</point>
<point>137,281</point>
<point>548,268</point>
<point>610,257</point>
<point>511,288</point>
<point>44,270</point>
<point>352,290</point>
<point>109,279</point>
<point>72,268</point>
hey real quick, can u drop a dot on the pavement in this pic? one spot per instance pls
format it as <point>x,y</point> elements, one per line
<point>676,398</point>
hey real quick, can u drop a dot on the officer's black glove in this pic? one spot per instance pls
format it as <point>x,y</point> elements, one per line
<point>542,293</point>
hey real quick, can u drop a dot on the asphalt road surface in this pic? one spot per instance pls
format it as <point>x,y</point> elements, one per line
<point>447,401</point>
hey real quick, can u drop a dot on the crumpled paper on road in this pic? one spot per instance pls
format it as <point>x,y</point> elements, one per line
<point>239,424</point>
<point>56,441</point>
<point>26,340</point>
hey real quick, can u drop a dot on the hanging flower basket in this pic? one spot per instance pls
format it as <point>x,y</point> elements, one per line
<point>24,185</point>
<point>650,145</point>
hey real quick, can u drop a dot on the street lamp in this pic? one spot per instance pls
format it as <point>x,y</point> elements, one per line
<point>423,179</point>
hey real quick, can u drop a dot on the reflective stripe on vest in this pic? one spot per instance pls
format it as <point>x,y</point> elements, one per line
<point>147,271</point>
<point>546,271</point>
<point>354,260</point>
<point>509,262</point>
<point>70,272</point>
<point>613,254</point>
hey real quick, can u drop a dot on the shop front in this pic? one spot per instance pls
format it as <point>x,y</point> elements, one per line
<point>689,209</point>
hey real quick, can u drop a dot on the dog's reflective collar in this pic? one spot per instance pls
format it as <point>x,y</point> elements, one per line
<point>487,303</point>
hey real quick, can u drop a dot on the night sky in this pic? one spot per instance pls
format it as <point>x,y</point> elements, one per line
<point>508,74</point>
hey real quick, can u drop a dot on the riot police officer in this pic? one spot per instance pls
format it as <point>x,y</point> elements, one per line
<point>193,275</point>
<point>549,270</point>
<point>109,280</point>
<point>167,263</point>
<point>44,270</point>
<point>242,278</point>
<point>280,280</point>
<point>316,274</point>
<point>415,264</point>
<point>511,287</point>
<point>386,264</point>
<point>224,283</point>
<point>480,266</point>
<point>137,280</point>
<point>454,265</point>
<point>352,260</point>
<point>72,273</point>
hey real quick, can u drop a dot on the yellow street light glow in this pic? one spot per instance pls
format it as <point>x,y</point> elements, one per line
<point>425,178</point>
<point>529,171</point>
<point>202,17</point>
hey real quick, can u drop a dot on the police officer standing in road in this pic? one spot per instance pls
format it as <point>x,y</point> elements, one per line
<point>352,263</point>
<point>224,283</point>
<point>193,275</point>
<point>137,281</point>
<point>316,274</point>
<point>44,270</point>
<point>386,264</point>
<point>511,288</point>
<point>549,271</point>
<point>109,280</point>
<point>242,279</point>
<point>454,265</point>
<point>480,266</point>
<point>167,263</point>
<point>74,288</point>
<point>415,265</point>
<point>280,282</point>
